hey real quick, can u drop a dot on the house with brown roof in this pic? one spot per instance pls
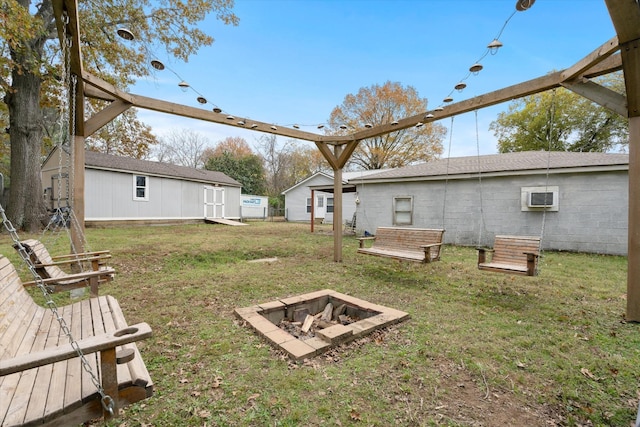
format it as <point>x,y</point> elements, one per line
<point>125,189</point>
<point>575,201</point>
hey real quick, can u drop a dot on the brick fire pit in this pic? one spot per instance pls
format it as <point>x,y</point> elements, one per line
<point>364,317</point>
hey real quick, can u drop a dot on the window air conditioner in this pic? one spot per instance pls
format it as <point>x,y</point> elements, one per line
<point>540,199</point>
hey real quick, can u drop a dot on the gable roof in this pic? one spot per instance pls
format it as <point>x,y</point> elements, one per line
<point>311,177</point>
<point>346,176</point>
<point>525,162</point>
<point>95,160</point>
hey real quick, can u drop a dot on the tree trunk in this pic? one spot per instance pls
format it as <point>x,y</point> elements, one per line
<point>26,208</point>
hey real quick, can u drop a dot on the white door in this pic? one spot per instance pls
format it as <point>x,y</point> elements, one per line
<point>213,202</point>
<point>320,206</point>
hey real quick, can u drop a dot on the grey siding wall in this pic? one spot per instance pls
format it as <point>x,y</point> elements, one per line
<point>109,196</point>
<point>592,214</point>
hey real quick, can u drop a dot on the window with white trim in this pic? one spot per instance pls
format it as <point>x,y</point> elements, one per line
<point>403,210</point>
<point>308,204</point>
<point>329,204</point>
<point>140,187</point>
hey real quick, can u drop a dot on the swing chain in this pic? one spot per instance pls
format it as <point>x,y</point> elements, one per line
<point>106,400</point>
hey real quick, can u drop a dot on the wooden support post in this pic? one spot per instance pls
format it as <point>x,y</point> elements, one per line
<point>313,209</point>
<point>633,258</point>
<point>337,209</point>
<point>77,232</point>
<point>109,374</point>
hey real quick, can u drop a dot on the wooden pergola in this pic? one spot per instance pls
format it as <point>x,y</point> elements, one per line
<point>621,52</point>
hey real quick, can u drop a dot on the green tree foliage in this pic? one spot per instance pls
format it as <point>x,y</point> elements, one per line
<point>124,136</point>
<point>234,158</point>
<point>560,120</point>
<point>31,76</point>
<point>382,104</point>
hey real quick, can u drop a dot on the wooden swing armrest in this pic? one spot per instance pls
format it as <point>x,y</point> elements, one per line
<point>90,255</point>
<point>430,245</point>
<point>484,249</point>
<point>362,239</point>
<point>72,261</point>
<point>88,345</point>
<point>69,277</point>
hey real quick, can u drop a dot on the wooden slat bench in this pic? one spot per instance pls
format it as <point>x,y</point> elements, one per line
<point>405,244</point>
<point>42,379</point>
<point>511,254</point>
<point>49,267</point>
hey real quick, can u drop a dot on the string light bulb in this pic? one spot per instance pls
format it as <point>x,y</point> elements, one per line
<point>368,125</point>
<point>429,116</point>
<point>125,34</point>
<point>494,46</point>
<point>157,65</point>
<point>522,5</point>
<point>217,110</point>
<point>448,99</point>
<point>394,123</point>
<point>202,100</point>
<point>183,85</point>
<point>460,86</point>
<point>475,68</point>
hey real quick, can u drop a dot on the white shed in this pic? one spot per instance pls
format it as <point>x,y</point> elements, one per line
<point>125,189</point>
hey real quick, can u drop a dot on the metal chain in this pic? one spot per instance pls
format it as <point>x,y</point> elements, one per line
<point>107,401</point>
<point>552,113</point>
<point>482,222</point>
<point>446,180</point>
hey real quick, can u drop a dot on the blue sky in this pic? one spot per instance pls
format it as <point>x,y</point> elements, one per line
<point>292,61</point>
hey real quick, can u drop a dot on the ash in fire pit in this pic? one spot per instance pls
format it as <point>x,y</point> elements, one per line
<point>306,325</point>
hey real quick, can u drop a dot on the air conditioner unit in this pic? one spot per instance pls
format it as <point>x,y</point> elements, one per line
<point>540,199</point>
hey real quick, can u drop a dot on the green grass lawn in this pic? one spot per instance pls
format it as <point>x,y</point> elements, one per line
<point>480,349</point>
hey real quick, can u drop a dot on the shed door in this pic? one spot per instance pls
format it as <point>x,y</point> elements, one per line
<point>213,202</point>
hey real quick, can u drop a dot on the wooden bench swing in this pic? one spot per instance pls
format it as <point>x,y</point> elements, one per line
<point>58,280</point>
<point>63,366</point>
<point>404,244</point>
<point>511,254</point>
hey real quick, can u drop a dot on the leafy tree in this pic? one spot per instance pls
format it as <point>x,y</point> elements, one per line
<point>28,68</point>
<point>238,161</point>
<point>286,164</point>
<point>560,120</point>
<point>124,136</point>
<point>377,105</point>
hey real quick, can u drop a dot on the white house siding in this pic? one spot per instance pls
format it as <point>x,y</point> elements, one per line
<point>295,199</point>
<point>592,215</point>
<point>348,208</point>
<point>109,196</point>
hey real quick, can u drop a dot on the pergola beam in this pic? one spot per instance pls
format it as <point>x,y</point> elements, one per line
<point>599,64</point>
<point>601,95</point>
